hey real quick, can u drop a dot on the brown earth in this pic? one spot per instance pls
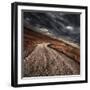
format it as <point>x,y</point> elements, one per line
<point>45,56</point>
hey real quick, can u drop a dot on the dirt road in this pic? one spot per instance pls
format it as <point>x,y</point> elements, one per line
<point>45,61</point>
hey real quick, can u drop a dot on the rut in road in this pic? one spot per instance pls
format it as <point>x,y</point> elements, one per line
<point>45,61</point>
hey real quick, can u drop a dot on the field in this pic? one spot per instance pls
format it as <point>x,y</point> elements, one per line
<point>46,56</point>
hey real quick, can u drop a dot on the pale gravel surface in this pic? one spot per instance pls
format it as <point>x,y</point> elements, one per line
<point>45,61</point>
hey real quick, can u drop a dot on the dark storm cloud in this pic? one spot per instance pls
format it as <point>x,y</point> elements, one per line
<point>56,23</point>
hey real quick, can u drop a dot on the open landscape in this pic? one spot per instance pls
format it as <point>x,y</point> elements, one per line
<point>45,56</point>
<point>51,44</point>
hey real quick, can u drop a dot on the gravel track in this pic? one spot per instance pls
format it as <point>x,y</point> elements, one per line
<point>45,61</point>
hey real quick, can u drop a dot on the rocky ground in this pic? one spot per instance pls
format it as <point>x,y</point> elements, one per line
<point>44,56</point>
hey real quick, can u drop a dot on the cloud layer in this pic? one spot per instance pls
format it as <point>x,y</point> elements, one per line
<point>57,24</point>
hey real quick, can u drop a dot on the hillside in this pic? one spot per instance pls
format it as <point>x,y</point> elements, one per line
<point>45,56</point>
<point>32,38</point>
